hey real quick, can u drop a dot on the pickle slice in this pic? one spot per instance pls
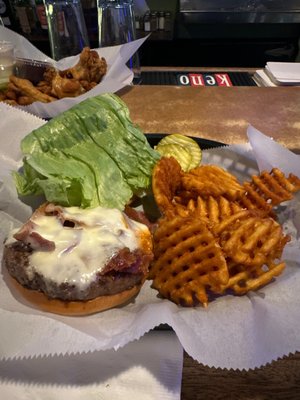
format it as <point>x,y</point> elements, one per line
<point>186,143</point>
<point>182,155</point>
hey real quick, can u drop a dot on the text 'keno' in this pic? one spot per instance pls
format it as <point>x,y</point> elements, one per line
<point>204,80</point>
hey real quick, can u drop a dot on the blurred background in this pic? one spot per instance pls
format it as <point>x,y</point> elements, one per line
<point>208,33</point>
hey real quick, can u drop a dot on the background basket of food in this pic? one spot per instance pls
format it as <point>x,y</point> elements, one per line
<point>46,88</point>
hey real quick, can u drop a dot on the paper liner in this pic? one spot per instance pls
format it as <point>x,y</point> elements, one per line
<point>118,74</point>
<point>152,365</point>
<point>232,332</point>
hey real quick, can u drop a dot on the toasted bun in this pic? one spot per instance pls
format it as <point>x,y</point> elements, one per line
<point>73,308</point>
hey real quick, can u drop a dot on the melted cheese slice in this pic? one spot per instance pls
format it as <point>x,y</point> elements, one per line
<point>83,251</point>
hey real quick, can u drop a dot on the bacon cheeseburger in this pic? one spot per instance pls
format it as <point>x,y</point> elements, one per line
<point>75,261</point>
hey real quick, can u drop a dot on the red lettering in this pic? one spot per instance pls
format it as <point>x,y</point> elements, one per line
<point>210,80</point>
<point>196,80</point>
<point>223,80</point>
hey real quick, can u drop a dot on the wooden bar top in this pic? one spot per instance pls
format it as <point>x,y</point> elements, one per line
<point>217,113</point>
<point>223,114</point>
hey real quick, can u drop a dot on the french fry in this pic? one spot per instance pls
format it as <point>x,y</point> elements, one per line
<point>28,89</point>
<point>25,100</point>
<point>85,75</point>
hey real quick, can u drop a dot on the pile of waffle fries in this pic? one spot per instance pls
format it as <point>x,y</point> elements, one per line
<point>216,235</point>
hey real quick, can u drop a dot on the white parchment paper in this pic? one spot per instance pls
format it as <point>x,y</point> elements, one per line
<point>118,74</point>
<point>148,369</point>
<point>233,332</point>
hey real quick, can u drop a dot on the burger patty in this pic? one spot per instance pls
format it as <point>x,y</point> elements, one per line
<point>124,271</point>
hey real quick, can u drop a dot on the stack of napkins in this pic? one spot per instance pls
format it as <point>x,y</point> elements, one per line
<point>278,74</point>
<point>261,79</point>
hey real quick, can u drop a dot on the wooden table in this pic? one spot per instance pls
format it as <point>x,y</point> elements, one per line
<point>223,114</point>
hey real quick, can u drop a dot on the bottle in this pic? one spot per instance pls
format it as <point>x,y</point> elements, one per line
<point>67,28</point>
<point>7,14</point>
<point>26,16</point>
<point>146,22</point>
<point>153,21</point>
<point>161,20</point>
<point>137,22</point>
<point>90,15</point>
<point>168,22</point>
<point>116,24</point>
<point>41,13</point>
<point>141,22</point>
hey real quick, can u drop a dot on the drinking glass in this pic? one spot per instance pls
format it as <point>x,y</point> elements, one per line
<point>66,27</point>
<point>7,61</point>
<point>116,23</point>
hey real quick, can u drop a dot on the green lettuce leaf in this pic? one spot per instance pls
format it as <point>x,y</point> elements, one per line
<point>89,155</point>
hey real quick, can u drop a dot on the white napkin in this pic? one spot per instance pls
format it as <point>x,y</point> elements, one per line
<point>271,154</point>
<point>14,132</point>
<point>284,71</point>
<point>262,79</point>
<point>148,369</point>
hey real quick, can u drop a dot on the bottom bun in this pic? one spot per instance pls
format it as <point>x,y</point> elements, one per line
<point>74,308</point>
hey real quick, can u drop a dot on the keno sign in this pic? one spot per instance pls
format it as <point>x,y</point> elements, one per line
<point>204,80</point>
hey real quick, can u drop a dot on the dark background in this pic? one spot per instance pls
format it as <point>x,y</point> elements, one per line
<point>215,41</point>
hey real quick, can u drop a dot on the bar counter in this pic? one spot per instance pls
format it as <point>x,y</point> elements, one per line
<point>223,114</point>
<point>217,113</point>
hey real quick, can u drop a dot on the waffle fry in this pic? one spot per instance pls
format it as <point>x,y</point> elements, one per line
<point>250,239</point>
<point>268,190</point>
<point>166,180</point>
<point>187,260</point>
<point>243,280</point>
<point>215,234</point>
<point>212,210</point>
<point>211,180</point>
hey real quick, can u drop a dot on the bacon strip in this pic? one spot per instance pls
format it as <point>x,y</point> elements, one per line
<point>34,239</point>
<point>27,235</point>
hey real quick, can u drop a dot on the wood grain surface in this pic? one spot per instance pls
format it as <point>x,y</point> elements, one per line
<point>278,380</point>
<point>217,113</point>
